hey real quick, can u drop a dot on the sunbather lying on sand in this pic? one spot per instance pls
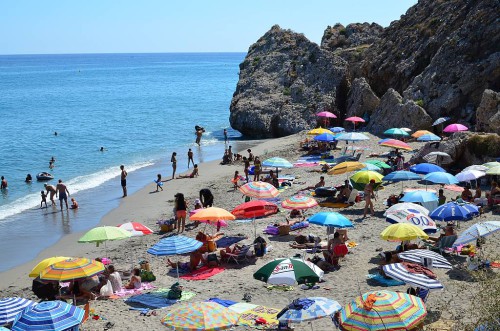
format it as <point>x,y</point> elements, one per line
<point>192,175</point>
<point>321,183</point>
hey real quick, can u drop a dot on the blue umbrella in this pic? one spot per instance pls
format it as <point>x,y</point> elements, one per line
<point>402,175</point>
<point>453,211</point>
<point>302,310</point>
<point>429,137</point>
<point>337,129</point>
<point>371,167</point>
<point>440,120</point>
<point>396,132</point>
<point>352,136</point>
<point>419,196</point>
<point>277,162</point>
<point>330,219</point>
<point>425,168</point>
<point>441,178</point>
<point>10,307</point>
<point>399,272</point>
<point>49,315</point>
<point>325,137</point>
<point>175,245</point>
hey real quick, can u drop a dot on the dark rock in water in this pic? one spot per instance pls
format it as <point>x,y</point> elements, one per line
<point>285,80</point>
<point>394,112</point>
<point>361,100</point>
<point>488,112</point>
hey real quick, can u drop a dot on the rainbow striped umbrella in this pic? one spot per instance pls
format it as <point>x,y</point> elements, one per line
<point>259,190</point>
<point>383,310</point>
<point>394,143</point>
<point>200,316</point>
<point>299,202</point>
<point>420,133</point>
<point>72,268</point>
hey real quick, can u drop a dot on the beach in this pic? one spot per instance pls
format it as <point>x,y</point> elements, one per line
<point>343,285</point>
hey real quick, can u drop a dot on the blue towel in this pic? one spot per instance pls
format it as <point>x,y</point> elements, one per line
<point>228,241</point>
<point>384,281</point>
<point>225,303</point>
<point>151,301</point>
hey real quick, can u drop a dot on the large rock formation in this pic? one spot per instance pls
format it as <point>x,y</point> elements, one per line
<point>284,81</point>
<point>361,100</point>
<point>488,112</point>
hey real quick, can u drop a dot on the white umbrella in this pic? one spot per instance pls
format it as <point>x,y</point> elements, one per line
<point>406,206</point>
<point>476,167</point>
<point>438,157</point>
<point>468,175</point>
<point>406,129</point>
<point>480,229</point>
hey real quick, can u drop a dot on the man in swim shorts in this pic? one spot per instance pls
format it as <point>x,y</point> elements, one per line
<point>190,157</point>
<point>123,180</point>
<point>63,193</point>
<point>4,184</point>
<point>52,190</point>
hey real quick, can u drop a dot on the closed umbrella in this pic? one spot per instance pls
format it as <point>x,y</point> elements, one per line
<point>259,190</point>
<point>352,136</point>
<point>361,178</point>
<point>420,133</point>
<point>418,256</point>
<point>289,271</point>
<point>425,168</point>
<point>396,132</point>
<point>407,205</point>
<point>403,232</point>
<point>299,202</point>
<point>200,316</point>
<point>71,269</point>
<point>35,272</point>
<point>455,128</point>
<point>10,307</point>
<point>478,230</point>
<point>441,178</point>
<point>308,309</point>
<point>136,229</point>
<point>345,167</point>
<point>412,216</point>
<point>49,315</point>
<point>429,137</point>
<point>399,272</point>
<point>332,219</point>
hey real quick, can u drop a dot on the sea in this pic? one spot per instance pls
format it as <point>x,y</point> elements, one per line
<point>139,107</point>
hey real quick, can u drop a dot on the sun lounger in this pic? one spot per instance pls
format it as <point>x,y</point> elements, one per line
<point>445,244</point>
<point>240,256</point>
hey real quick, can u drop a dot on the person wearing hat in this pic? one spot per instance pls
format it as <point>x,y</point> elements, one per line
<point>369,195</point>
<point>197,204</point>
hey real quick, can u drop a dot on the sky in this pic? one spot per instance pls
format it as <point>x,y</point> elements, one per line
<point>157,26</point>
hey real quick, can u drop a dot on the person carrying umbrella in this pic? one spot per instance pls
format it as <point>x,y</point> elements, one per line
<point>369,195</point>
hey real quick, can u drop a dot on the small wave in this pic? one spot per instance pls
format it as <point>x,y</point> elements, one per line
<point>75,185</point>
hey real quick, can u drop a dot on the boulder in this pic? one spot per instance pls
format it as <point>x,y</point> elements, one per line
<point>353,35</point>
<point>361,99</point>
<point>488,112</point>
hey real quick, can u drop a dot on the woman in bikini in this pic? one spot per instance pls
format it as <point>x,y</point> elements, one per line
<point>368,197</point>
<point>180,211</point>
<point>173,159</point>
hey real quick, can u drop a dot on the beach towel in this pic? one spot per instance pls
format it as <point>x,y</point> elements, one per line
<point>269,314</point>
<point>203,273</point>
<point>225,303</point>
<point>454,188</point>
<point>298,226</point>
<point>333,204</point>
<point>382,281</point>
<point>126,292</point>
<point>247,220</point>
<point>241,307</point>
<point>228,241</point>
<point>158,299</point>
<point>306,165</point>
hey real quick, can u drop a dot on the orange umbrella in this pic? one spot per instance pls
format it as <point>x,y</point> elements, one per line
<point>420,133</point>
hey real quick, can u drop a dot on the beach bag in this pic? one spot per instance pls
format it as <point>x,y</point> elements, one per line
<point>175,292</point>
<point>106,290</point>
<point>147,276</point>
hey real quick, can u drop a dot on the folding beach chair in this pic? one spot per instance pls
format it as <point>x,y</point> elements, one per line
<point>241,256</point>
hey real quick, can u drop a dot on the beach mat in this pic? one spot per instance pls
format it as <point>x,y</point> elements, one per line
<point>125,292</point>
<point>241,307</point>
<point>382,281</point>
<point>269,314</point>
<point>454,188</point>
<point>158,299</point>
<point>203,273</point>
<point>333,204</point>
<point>228,241</point>
<point>222,302</point>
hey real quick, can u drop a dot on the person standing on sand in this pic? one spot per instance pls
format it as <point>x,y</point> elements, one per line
<point>4,184</point>
<point>257,168</point>
<point>369,195</point>
<point>123,180</point>
<point>52,190</point>
<point>63,193</point>
<point>225,136</point>
<point>190,157</point>
<point>180,211</point>
<point>199,133</point>
<point>173,159</point>
<point>246,165</point>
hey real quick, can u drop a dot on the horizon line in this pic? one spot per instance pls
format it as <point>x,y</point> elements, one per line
<point>124,53</point>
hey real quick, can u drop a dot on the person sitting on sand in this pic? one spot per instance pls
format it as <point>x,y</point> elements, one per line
<point>344,194</point>
<point>197,204</point>
<point>329,255</point>
<point>193,174</point>
<point>114,278</point>
<point>449,230</point>
<point>295,216</point>
<point>89,287</point>
<point>74,204</point>
<point>477,193</point>
<point>224,252</point>
<point>321,183</point>
<point>466,194</point>
<point>135,281</point>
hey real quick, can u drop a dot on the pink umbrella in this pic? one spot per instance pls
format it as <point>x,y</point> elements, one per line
<point>354,120</point>
<point>455,128</point>
<point>326,114</point>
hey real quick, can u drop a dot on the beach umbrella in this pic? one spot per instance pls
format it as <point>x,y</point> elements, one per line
<point>403,232</point>
<point>440,178</point>
<point>289,271</point>
<point>468,175</point>
<point>277,162</point>
<point>420,133</point>
<point>454,211</point>
<point>407,205</point>
<point>337,129</point>
<point>299,202</point>
<point>361,178</point>
<point>378,163</point>
<point>259,190</point>
<point>455,128</point>
<point>332,219</point>
<point>309,309</point>
<point>438,157</point>
<point>345,167</point>
<point>212,214</point>
<point>440,121</point>
<point>406,129</point>
<point>102,234</point>
<point>354,120</point>
<point>412,216</point>
<point>71,269</point>
<point>371,167</point>
<point>352,136</point>
<point>136,229</point>
<point>49,315</point>
<point>418,256</point>
<point>254,208</point>
<point>476,167</point>
<point>10,307</point>
<point>394,143</point>
<point>200,316</point>
<point>326,114</point>
<point>382,311</point>
<point>429,137</point>
<point>493,171</point>
<point>492,164</point>
<point>317,131</point>
<point>399,272</point>
<point>425,168</point>
<point>174,245</point>
<point>35,272</point>
<point>324,137</point>
<point>401,175</point>
<point>480,229</point>
<point>419,196</point>
<point>396,132</point>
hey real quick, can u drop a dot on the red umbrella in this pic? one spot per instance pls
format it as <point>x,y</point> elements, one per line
<point>255,208</point>
<point>354,120</point>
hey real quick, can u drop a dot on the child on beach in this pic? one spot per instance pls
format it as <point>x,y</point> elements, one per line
<point>44,199</point>
<point>235,179</point>
<point>158,182</point>
<point>74,204</point>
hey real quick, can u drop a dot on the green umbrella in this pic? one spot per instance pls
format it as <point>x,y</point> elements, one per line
<point>361,178</point>
<point>396,132</point>
<point>378,163</point>
<point>289,271</point>
<point>104,233</point>
<point>493,170</point>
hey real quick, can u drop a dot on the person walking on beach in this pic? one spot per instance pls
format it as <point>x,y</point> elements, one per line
<point>3,184</point>
<point>63,193</point>
<point>190,157</point>
<point>52,190</point>
<point>173,159</point>
<point>123,180</point>
<point>225,136</point>
<point>369,195</point>
<point>159,183</point>
<point>180,211</point>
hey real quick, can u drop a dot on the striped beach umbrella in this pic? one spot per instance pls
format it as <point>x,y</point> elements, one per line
<point>212,214</point>
<point>383,310</point>
<point>259,190</point>
<point>399,272</point>
<point>174,245</point>
<point>72,268</point>
<point>136,229</point>
<point>420,133</point>
<point>407,205</point>
<point>49,315</point>
<point>396,132</point>
<point>309,309</point>
<point>10,307</point>
<point>425,168</point>
<point>200,316</point>
<point>35,272</point>
<point>397,144</point>
<point>418,256</point>
<point>403,232</point>
<point>333,219</point>
<point>454,211</point>
<point>480,229</point>
<point>429,137</point>
<point>455,128</point>
<point>317,131</point>
<point>352,136</point>
<point>299,202</point>
<point>439,177</point>
<point>289,271</point>
<point>345,167</point>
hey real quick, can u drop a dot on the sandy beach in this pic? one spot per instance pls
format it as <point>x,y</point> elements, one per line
<point>343,285</point>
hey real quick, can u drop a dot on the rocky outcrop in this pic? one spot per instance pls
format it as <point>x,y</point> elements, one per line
<point>395,112</point>
<point>353,35</point>
<point>361,100</point>
<point>284,81</point>
<point>488,112</point>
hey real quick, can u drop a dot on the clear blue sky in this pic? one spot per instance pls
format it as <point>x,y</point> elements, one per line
<point>120,26</point>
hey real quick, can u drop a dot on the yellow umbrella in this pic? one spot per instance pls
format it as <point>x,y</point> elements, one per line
<point>344,167</point>
<point>35,272</point>
<point>493,170</point>
<point>317,131</point>
<point>419,133</point>
<point>212,214</point>
<point>72,268</point>
<point>403,232</point>
<point>490,165</point>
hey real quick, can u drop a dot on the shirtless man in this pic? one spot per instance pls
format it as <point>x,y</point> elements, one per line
<point>52,190</point>
<point>4,184</point>
<point>63,193</point>
<point>123,180</point>
<point>190,157</point>
<point>199,133</point>
<point>321,183</point>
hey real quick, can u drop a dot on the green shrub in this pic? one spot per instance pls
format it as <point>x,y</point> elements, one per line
<point>488,145</point>
<point>256,60</point>
<point>287,91</point>
<point>420,102</point>
<point>343,32</point>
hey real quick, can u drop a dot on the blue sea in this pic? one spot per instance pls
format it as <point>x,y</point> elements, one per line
<point>139,107</point>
